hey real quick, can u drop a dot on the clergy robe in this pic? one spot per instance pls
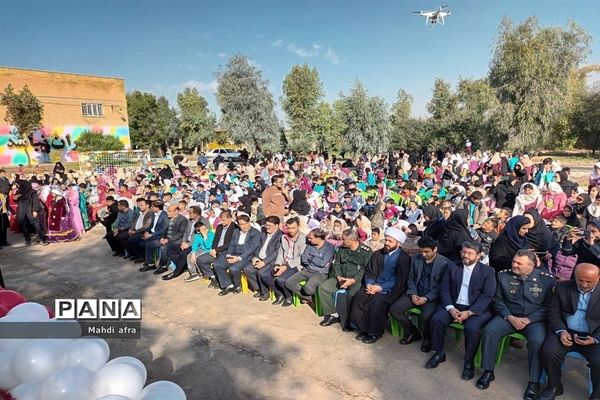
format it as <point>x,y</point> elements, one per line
<point>370,312</point>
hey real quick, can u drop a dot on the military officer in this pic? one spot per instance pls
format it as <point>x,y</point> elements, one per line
<point>344,281</point>
<point>521,302</point>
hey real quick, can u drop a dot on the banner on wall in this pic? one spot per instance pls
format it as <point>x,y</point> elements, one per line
<point>51,144</point>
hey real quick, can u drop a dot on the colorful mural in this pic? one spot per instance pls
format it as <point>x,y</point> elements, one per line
<point>61,139</point>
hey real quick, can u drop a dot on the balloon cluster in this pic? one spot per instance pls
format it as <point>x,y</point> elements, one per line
<point>68,369</point>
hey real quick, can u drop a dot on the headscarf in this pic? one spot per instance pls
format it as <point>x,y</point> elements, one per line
<point>587,201</point>
<point>573,220</point>
<point>539,236</point>
<point>299,202</point>
<point>512,231</point>
<point>432,213</point>
<point>593,210</point>
<point>458,222</point>
<point>528,198</point>
<point>554,188</point>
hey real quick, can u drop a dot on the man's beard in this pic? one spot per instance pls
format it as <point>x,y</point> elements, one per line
<point>388,249</point>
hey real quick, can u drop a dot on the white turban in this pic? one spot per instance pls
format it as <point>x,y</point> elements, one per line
<point>395,234</point>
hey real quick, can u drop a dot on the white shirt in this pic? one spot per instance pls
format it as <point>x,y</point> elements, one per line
<point>463,295</point>
<point>140,221</point>
<point>262,254</point>
<point>155,221</point>
<point>242,237</point>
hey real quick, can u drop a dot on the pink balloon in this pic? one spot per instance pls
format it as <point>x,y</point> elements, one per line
<point>3,311</point>
<point>10,298</point>
<point>50,312</point>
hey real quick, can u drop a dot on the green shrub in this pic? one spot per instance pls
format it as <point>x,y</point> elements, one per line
<point>96,141</point>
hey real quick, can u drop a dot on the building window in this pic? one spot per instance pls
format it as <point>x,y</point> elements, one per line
<point>92,109</point>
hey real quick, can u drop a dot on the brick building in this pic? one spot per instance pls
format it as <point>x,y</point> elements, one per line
<point>73,103</point>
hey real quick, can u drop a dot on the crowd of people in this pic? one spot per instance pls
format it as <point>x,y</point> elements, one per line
<point>492,241</point>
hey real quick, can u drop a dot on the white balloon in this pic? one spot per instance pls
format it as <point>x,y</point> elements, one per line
<point>27,391</point>
<point>33,311</point>
<point>8,380</point>
<point>118,378</point>
<point>113,397</point>
<point>161,395</point>
<point>86,353</point>
<point>36,359</point>
<point>13,344</point>
<point>164,386</point>
<point>133,361</point>
<point>71,383</point>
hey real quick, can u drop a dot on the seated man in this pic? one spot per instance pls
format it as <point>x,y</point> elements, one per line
<point>179,251</point>
<point>176,227</point>
<point>574,316</point>
<point>141,223</point>
<point>220,244</point>
<point>228,266</point>
<point>263,261</point>
<point>344,280</point>
<point>386,275</point>
<point>120,231</point>
<point>423,292</point>
<point>160,221</point>
<point>521,302</point>
<point>316,260</point>
<point>466,292</point>
<point>288,262</point>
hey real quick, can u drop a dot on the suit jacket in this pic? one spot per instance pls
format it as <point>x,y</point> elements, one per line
<point>482,286</point>
<point>228,234</point>
<point>272,247</point>
<point>180,224</point>
<point>246,250</point>
<point>146,224</point>
<point>161,225</point>
<point>563,303</point>
<point>437,272</point>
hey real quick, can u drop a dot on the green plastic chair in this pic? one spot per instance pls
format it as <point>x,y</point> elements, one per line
<point>297,301</point>
<point>397,329</point>
<point>458,329</point>
<point>503,347</point>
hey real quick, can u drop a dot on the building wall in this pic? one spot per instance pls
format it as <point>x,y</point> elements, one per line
<point>62,95</point>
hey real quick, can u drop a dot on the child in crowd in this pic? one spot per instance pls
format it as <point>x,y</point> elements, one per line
<point>487,233</point>
<point>377,241</point>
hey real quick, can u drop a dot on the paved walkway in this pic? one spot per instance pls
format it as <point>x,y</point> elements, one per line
<point>235,347</point>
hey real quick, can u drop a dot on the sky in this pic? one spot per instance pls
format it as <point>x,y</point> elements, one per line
<point>164,46</point>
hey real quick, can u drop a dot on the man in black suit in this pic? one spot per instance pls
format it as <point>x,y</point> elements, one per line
<point>264,258</point>
<point>178,251</point>
<point>466,294</point>
<point>141,223</point>
<point>111,215</point>
<point>574,326</point>
<point>228,267</point>
<point>153,234</point>
<point>175,225</point>
<point>223,235</point>
<point>423,292</point>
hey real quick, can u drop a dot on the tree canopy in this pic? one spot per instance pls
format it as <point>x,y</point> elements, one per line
<point>247,105</point>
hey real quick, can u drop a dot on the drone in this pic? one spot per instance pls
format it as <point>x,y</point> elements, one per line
<point>434,16</point>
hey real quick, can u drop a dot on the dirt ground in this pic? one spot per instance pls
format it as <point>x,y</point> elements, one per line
<point>235,347</point>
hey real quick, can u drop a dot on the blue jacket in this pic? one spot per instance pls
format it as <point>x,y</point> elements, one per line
<point>246,250</point>
<point>161,226</point>
<point>202,245</point>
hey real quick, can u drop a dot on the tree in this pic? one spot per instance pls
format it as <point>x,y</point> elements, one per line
<point>327,127</point>
<point>530,69</point>
<point>401,132</point>
<point>443,102</point>
<point>196,122</point>
<point>247,105</point>
<point>367,121</point>
<point>302,90</point>
<point>153,123</point>
<point>585,120</point>
<point>24,111</point>
<point>96,141</point>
